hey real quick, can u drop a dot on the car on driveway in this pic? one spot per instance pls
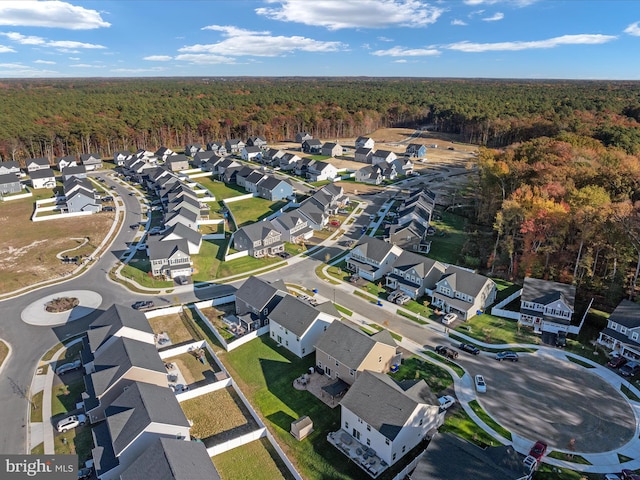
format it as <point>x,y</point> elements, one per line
<point>134,226</point>
<point>402,299</point>
<point>449,318</point>
<point>630,369</point>
<point>70,422</point>
<point>513,356</point>
<point>393,295</point>
<point>68,367</point>
<point>446,402</point>
<point>85,473</point>
<point>142,305</point>
<point>446,351</point>
<point>469,348</point>
<point>481,385</point>
<point>284,255</point>
<point>617,362</point>
<point>561,339</point>
<point>181,280</point>
<point>538,450</point>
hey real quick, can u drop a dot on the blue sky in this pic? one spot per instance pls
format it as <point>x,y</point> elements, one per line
<point>571,39</point>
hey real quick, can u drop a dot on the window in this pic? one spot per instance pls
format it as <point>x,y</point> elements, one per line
<point>623,329</point>
<point>403,448</point>
<point>368,428</point>
<point>337,363</point>
<point>614,326</point>
<point>286,343</point>
<point>368,442</point>
<point>420,421</point>
<point>346,425</point>
<point>325,328</point>
<point>297,339</point>
<point>634,336</point>
<point>353,372</point>
<point>379,359</point>
<point>394,457</point>
<point>303,351</point>
<point>386,440</point>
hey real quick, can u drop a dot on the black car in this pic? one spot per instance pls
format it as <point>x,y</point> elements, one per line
<point>84,473</point>
<point>561,339</point>
<point>630,369</point>
<point>513,356</point>
<point>284,254</point>
<point>616,362</point>
<point>469,348</point>
<point>143,304</point>
<point>446,351</point>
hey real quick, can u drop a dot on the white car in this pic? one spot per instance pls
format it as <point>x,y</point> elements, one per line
<point>446,402</point>
<point>481,385</point>
<point>449,318</point>
<point>393,295</point>
<point>402,299</point>
<point>68,367</point>
<point>70,422</point>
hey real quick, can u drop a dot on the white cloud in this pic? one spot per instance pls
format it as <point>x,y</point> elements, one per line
<point>385,39</point>
<point>402,60</point>
<point>71,44</point>
<point>406,52</point>
<point>366,46</point>
<point>20,70</point>
<point>496,17</point>
<point>158,58</point>
<point>43,42</point>
<point>4,49</point>
<point>75,59</point>
<point>337,14</point>
<point>137,70</point>
<point>86,65</point>
<point>517,3</point>
<point>584,39</point>
<point>633,29</point>
<point>457,22</point>
<point>44,62</point>
<point>54,14</point>
<point>240,42</point>
<point>205,59</point>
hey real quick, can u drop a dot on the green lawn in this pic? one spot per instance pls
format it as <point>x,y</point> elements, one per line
<point>415,368</point>
<point>486,418</point>
<point>254,461</point>
<point>449,239</point>
<point>207,262</point>
<point>138,271</point>
<point>505,288</point>
<point>65,397</point>
<point>77,441</point>
<point>253,209</point>
<point>490,329</point>
<point>36,407</point>
<point>220,190</point>
<point>456,368</point>
<point>459,423</point>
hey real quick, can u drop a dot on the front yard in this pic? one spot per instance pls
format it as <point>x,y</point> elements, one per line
<point>490,329</point>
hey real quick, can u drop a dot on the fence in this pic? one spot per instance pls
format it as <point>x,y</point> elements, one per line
<point>211,387</point>
<point>15,197</point>
<point>163,311</point>
<point>498,311</point>
<point>238,198</point>
<point>58,216</point>
<point>237,442</point>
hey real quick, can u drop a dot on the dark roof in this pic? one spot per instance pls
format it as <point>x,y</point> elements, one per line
<point>627,314</point>
<point>346,344</point>
<point>258,230</point>
<point>72,158</point>
<point>294,315</point>
<point>252,149</point>
<point>42,173</point>
<point>69,170</point>
<point>271,182</point>
<point>104,458</point>
<point>312,142</point>
<point>159,250</point>
<point>10,164</point>
<point>137,407</point>
<point>172,459</point>
<point>112,320</point>
<point>363,151</point>
<point>545,291</point>
<point>311,210</point>
<point>257,292</point>
<point>330,145</point>
<point>184,232</point>
<point>465,281</point>
<point>38,161</point>
<point>9,178</point>
<point>183,212</point>
<point>382,153</point>
<point>176,159</point>
<point>424,266</point>
<point>385,404</point>
<point>290,219</point>
<point>374,248</point>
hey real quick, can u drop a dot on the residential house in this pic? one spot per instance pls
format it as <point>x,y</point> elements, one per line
<point>463,292</point>
<point>365,142</point>
<point>146,155</point>
<point>419,206</point>
<point>622,334</point>
<point>177,162</point>
<point>79,171</point>
<point>234,145</point>
<point>403,166</point>
<point>256,298</point>
<point>259,239</point>
<point>225,164</point>
<point>180,231</point>
<point>316,216</point>
<point>252,181</point>
<point>192,148</point>
<point>172,459</point>
<point>183,215</point>
<point>274,188</point>
<point>201,158</point>
<point>120,156</point>
<point>91,161</point>
<point>66,161</point>
<point>272,156</point>
<point>10,167</point>
<point>318,171</point>
<point>363,155</point>
<point>547,306</point>
<point>344,352</point>
<point>372,258</point>
<point>211,165</point>
<point>297,326</point>
<point>217,147</point>
<point>414,275</point>
<point>250,153</point>
<point>449,456</point>
<point>294,226</point>
<point>387,416</point>
<point>163,153</point>
<point>74,183</point>
<point>170,258</point>
<point>415,150</point>
<point>9,184</point>
<point>79,198</point>
<point>40,163</point>
<point>383,156</point>
<point>135,420</point>
<point>371,174</point>
<point>410,236</point>
<point>241,175</point>
<point>302,136</point>
<point>329,198</point>
<point>257,141</point>
<point>289,161</point>
<point>312,145</point>
<point>117,363</point>
<point>230,174</point>
<point>43,178</point>
<point>331,149</point>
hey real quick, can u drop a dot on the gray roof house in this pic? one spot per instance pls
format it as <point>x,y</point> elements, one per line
<point>82,201</point>
<point>66,161</point>
<point>388,417</point>
<point>365,142</point>
<point>9,167</point>
<point>302,136</point>
<point>217,147</point>
<point>251,153</point>
<point>294,226</point>
<point>120,156</point>
<point>463,292</point>
<point>72,184</point>
<point>201,158</point>
<point>372,258</point>
<point>318,171</point>
<point>116,364</point>
<point>274,188</point>
<point>298,326</point>
<point>547,306</point>
<point>259,239</point>
<point>192,148</point>
<point>40,163</point>
<point>331,149</point>
<point>79,171</point>
<point>383,156</point>
<point>252,180</point>
<point>416,150</point>
<point>311,145</point>
<point>183,215</point>
<point>181,231</point>
<point>316,217</point>
<point>178,162</point>
<point>141,414</point>
<point>414,274</point>
<point>410,236</point>
<point>172,459</point>
<point>9,183</point>
<point>419,206</point>
<point>371,174</point>
<point>344,352</point>
<point>256,141</point>
<point>234,145</point>
<point>91,161</point>
<point>256,298</point>
<point>169,258</point>
<point>288,161</point>
<point>163,153</point>
<point>176,202</point>
<point>42,178</point>
<point>622,333</point>
<point>363,155</point>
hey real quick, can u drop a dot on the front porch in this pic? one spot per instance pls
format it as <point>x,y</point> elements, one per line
<point>619,344</point>
<point>358,453</point>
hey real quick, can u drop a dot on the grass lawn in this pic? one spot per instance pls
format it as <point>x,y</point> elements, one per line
<point>31,247</point>
<point>245,264</point>
<point>458,369</point>
<point>486,418</point>
<point>253,209</point>
<point>459,423</point>
<point>569,457</point>
<point>220,190</point>
<point>413,318</point>
<point>173,325</point>
<point>192,369</point>
<point>449,239</point>
<point>4,351</point>
<point>254,461</point>
<point>36,407</point>
<point>342,309</point>
<point>138,271</point>
<point>505,288</point>
<point>415,368</point>
<point>233,413</point>
<point>38,449</point>
<point>77,441</point>
<point>490,329</point>
<point>549,472</point>
<point>65,397</point>
<point>216,228</point>
<point>207,262</point>
<point>215,318</point>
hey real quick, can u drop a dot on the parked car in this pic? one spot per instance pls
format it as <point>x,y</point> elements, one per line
<point>481,385</point>
<point>449,318</point>
<point>561,339</point>
<point>393,295</point>
<point>85,473</point>
<point>611,476</point>
<point>108,209</point>
<point>334,223</point>
<point>630,369</point>
<point>446,402</point>
<point>68,367</point>
<point>617,362</point>
<point>70,422</point>
<point>142,305</point>
<point>507,355</point>
<point>469,348</point>
<point>402,299</point>
<point>446,351</point>
<point>538,450</point>
<point>134,226</point>
<point>181,280</point>
<point>284,254</point>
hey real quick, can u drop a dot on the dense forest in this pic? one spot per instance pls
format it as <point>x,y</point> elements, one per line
<point>559,169</point>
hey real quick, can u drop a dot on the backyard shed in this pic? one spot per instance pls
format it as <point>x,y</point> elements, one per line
<point>301,428</point>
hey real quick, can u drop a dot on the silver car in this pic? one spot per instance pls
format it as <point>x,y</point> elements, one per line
<point>70,422</point>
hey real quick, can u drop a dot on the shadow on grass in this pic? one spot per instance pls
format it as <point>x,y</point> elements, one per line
<point>281,419</point>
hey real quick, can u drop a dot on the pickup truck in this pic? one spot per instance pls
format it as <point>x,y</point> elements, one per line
<point>446,351</point>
